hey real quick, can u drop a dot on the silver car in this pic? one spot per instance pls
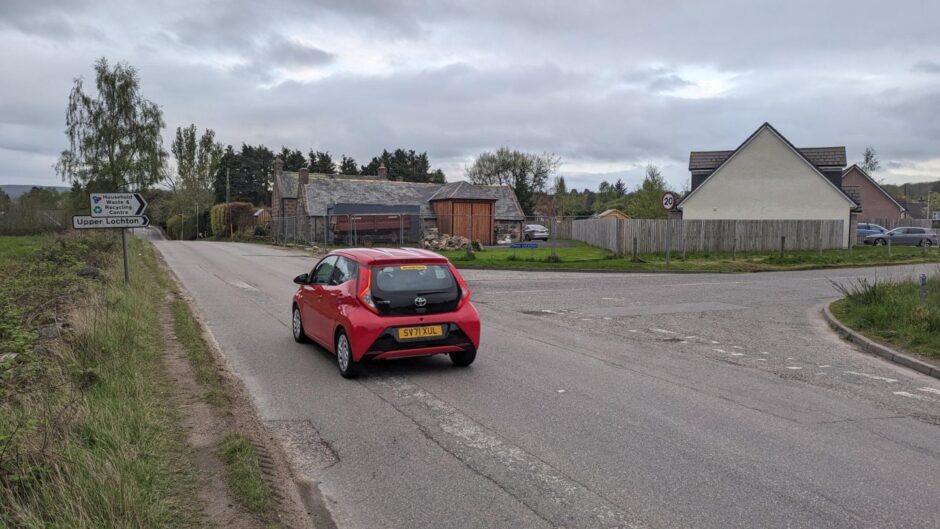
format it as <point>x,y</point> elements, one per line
<point>904,237</point>
<point>536,231</point>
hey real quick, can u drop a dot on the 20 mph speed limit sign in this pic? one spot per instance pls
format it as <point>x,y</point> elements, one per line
<point>669,200</point>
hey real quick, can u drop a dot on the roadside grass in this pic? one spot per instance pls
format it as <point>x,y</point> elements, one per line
<point>892,312</point>
<point>581,256</point>
<point>88,435</point>
<point>243,471</point>
<point>189,334</point>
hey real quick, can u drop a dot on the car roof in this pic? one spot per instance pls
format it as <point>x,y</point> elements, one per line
<point>369,256</point>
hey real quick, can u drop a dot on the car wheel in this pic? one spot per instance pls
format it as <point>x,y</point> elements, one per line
<point>297,327</point>
<point>463,358</point>
<point>526,237</point>
<point>344,360</point>
<point>880,242</point>
<point>927,242</point>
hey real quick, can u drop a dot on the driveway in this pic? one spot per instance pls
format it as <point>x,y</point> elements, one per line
<point>597,400</point>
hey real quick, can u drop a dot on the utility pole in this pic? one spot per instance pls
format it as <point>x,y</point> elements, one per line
<point>228,213</point>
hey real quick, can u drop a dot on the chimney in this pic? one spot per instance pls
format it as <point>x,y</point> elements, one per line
<point>278,165</point>
<point>303,176</point>
<point>383,172</point>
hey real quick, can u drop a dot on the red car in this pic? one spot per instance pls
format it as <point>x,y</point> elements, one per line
<point>375,304</point>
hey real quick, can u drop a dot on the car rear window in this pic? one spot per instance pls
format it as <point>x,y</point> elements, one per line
<point>413,278</point>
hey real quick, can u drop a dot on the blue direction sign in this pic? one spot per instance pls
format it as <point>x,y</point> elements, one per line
<point>524,245</point>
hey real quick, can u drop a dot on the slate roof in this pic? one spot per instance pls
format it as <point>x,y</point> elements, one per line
<point>818,156</point>
<point>461,190</point>
<point>853,192</point>
<point>286,181</point>
<point>323,192</point>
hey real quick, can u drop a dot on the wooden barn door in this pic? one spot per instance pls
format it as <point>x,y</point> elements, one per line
<point>483,222</point>
<point>461,219</point>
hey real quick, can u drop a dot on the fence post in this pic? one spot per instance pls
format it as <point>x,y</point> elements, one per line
<point>783,244</point>
<point>819,241</point>
<point>685,241</point>
<point>734,248</point>
<point>635,256</point>
<point>668,238</point>
<point>889,246</point>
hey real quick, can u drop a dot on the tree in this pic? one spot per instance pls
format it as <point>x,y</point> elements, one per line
<point>250,172</point>
<point>870,161</point>
<point>197,161</point>
<point>348,165</point>
<point>322,163</point>
<point>115,140</point>
<point>407,166</point>
<point>5,201</point>
<point>40,198</point>
<point>646,201</point>
<point>619,188</point>
<point>294,160</point>
<point>526,173</point>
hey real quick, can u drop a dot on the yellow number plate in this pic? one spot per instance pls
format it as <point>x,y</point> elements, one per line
<point>430,331</point>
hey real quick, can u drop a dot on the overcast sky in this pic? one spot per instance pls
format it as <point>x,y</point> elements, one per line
<point>608,86</point>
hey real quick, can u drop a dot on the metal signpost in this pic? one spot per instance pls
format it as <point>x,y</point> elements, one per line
<point>114,210</point>
<point>669,203</point>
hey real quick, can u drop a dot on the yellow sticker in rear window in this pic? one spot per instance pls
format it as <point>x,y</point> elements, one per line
<point>413,267</point>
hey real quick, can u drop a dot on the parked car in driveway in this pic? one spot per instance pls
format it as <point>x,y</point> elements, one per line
<point>536,231</point>
<point>904,236</point>
<point>376,304</point>
<point>864,229</point>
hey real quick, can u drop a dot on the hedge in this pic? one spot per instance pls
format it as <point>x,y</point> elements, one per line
<point>238,215</point>
<point>184,226</point>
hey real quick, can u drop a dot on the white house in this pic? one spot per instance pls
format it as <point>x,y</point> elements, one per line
<point>768,178</point>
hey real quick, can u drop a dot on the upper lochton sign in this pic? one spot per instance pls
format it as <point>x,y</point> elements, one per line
<point>105,205</point>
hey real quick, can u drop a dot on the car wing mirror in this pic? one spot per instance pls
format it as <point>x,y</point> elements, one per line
<point>302,279</point>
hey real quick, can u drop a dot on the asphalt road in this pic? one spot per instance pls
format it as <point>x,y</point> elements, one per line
<point>597,400</point>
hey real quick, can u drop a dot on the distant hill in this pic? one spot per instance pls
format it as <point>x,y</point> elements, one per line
<point>14,190</point>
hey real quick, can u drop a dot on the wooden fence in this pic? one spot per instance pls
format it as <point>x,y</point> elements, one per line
<point>708,235</point>
<point>898,223</point>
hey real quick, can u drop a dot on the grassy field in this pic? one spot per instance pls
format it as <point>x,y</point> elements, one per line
<point>893,312</point>
<point>584,257</point>
<point>88,437</point>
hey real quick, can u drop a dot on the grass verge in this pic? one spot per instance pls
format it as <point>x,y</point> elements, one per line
<point>580,256</point>
<point>88,434</point>
<point>243,470</point>
<point>189,334</point>
<point>893,312</point>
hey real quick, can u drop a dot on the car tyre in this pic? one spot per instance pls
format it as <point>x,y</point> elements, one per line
<point>463,358</point>
<point>880,242</point>
<point>297,326</point>
<point>527,237</point>
<point>926,242</point>
<point>344,360</point>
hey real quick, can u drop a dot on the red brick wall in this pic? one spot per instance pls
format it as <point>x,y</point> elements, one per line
<point>875,205</point>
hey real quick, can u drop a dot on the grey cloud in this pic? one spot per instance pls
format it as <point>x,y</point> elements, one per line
<point>926,67</point>
<point>291,53</point>
<point>667,83</point>
<point>577,79</point>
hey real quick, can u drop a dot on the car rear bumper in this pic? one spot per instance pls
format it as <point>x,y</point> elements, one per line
<point>375,337</point>
<point>388,346</point>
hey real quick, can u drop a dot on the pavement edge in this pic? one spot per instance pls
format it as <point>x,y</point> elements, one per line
<point>878,349</point>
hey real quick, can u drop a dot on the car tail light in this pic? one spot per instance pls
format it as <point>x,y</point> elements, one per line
<point>464,296</point>
<point>365,290</point>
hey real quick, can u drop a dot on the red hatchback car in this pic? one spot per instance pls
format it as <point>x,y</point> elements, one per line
<point>375,304</point>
